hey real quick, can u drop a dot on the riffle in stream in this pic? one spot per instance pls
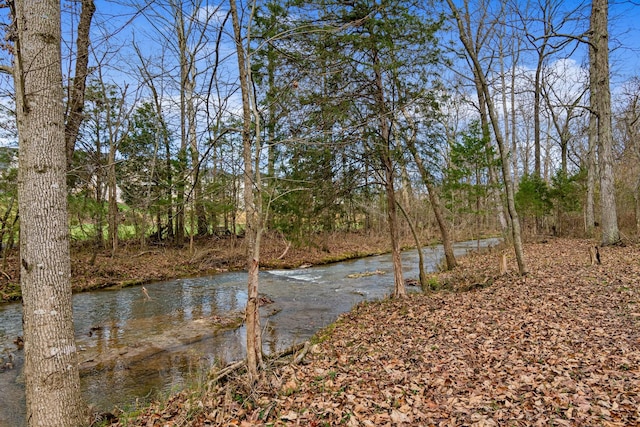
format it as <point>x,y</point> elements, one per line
<point>132,347</point>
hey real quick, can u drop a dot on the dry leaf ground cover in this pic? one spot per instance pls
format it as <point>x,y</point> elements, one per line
<point>559,347</point>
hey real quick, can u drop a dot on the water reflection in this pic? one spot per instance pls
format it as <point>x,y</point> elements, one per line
<point>124,320</point>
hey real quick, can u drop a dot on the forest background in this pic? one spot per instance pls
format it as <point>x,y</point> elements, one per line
<point>157,159</point>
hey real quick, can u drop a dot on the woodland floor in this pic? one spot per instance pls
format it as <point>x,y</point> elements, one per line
<point>559,347</point>
<point>133,264</point>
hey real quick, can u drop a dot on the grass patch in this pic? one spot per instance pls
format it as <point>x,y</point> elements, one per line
<point>10,292</point>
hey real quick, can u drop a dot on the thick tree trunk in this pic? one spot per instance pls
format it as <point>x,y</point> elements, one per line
<point>599,48</point>
<point>51,367</point>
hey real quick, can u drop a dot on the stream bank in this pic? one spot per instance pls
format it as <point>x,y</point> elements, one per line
<point>135,265</point>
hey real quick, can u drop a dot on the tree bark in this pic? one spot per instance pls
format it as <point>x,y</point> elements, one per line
<point>51,368</point>
<point>181,199</point>
<point>536,112</point>
<point>200,227</point>
<point>399,289</point>
<point>636,198</point>
<point>601,93</point>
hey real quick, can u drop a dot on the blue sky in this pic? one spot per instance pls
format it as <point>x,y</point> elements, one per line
<point>624,28</point>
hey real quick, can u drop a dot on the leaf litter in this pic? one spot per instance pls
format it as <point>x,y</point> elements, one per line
<point>559,347</point>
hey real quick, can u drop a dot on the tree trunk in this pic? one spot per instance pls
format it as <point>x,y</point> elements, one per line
<point>181,199</point>
<point>384,151</point>
<point>99,209</point>
<point>424,280</point>
<point>589,208</point>
<point>434,199</point>
<point>399,289</point>
<point>201,227</point>
<point>514,120</point>
<point>479,76</point>
<point>77,88</point>
<point>599,48</point>
<point>113,200</point>
<point>536,114</point>
<point>494,193</point>
<point>636,197</point>
<point>51,368</point>
<point>252,201</point>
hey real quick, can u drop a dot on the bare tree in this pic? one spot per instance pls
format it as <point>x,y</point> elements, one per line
<point>51,367</point>
<point>628,123</point>
<point>564,102</point>
<point>252,194</point>
<point>195,32</point>
<point>463,22</point>
<point>544,24</point>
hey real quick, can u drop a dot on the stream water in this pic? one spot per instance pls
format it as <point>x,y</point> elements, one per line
<point>305,300</point>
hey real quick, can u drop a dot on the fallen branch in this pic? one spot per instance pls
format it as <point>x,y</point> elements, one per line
<point>285,250</point>
<point>223,373</point>
<point>144,253</point>
<point>302,354</point>
<point>241,364</point>
<point>146,294</point>
<point>287,352</point>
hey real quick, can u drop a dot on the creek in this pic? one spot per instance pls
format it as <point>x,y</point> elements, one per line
<point>133,348</point>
